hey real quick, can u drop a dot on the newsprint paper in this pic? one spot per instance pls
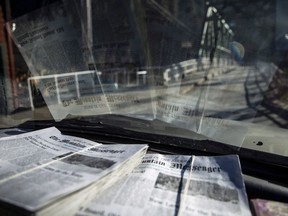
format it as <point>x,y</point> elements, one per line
<point>176,185</point>
<point>47,173</point>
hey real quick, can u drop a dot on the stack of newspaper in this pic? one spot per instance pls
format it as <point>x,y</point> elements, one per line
<point>176,185</point>
<point>47,173</point>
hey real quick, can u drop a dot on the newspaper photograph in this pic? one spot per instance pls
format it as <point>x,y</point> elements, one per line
<point>8,133</point>
<point>176,185</point>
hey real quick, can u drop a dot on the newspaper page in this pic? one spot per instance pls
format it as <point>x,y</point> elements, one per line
<point>160,186</point>
<point>188,102</point>
<point>22,152</point>
<point>54,166</point>
<point>52,45</point>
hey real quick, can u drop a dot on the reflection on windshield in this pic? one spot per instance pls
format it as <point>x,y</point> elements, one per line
<point>203,66</point>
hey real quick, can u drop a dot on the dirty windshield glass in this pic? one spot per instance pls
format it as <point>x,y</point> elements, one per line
<point>216,68</point>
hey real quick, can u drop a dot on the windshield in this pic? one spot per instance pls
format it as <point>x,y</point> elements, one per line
<point>203,70</point>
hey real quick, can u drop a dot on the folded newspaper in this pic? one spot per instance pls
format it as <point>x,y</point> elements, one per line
<point>47,173</point>
<point>176,185</point>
